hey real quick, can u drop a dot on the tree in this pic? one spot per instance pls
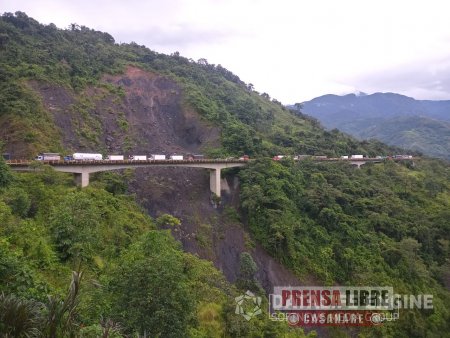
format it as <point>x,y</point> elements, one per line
<point>61,314</point>
<point>20,317</point>
<point>5,174</point>
<point>148,288</point>
<point>18,200</point>
<point>74,27</point>
<point>247,267</point>
<point>74,223</point>
<point>29,318</point>
<point>167,220</point>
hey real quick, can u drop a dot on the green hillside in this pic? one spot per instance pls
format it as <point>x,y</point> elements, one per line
<point>383,224</point>
<point>429,136</point>
<point>398,120</point>
<point>77,58</point>
<point>120,258</point>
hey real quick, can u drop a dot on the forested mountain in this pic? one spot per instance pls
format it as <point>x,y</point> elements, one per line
<point>151,254</point>
<point>398,120</point>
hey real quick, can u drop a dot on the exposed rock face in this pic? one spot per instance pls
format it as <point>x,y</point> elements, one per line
<point>136,112</point>
<point>157,120</point>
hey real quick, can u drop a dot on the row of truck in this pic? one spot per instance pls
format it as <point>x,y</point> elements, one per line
<point>189,157</point>
<point>316,157</point>
<point>344,157</point>
<point>99,157</point>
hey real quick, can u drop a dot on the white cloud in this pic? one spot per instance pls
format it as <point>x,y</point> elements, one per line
<point>293,50</point>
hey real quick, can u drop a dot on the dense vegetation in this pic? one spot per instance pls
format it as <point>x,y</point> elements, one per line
<point>423,134</point>
<point>130,277</point>
<point>385,224</point>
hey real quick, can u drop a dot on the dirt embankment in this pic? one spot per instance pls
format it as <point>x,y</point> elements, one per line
<point>142,113</point>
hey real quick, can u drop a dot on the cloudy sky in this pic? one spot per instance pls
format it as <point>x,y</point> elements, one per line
<point>294,50</point>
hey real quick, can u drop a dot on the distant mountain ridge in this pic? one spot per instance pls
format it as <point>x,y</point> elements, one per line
<point>422,125</point>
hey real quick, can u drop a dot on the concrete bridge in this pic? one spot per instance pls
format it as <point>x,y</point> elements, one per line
<point>361,161</point>
<point>82,169</point>
<point>353,161</point>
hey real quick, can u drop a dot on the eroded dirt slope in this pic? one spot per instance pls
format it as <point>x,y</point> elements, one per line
<point>134,112</point>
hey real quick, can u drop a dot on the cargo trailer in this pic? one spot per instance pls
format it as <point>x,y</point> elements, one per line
<point>115,157</point>
<point>87,157</point>
<point>138,157</point>
<point>156,157</point>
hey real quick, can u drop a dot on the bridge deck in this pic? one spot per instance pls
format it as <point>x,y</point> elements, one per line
<point>122,162</point>
<point>206,161</point>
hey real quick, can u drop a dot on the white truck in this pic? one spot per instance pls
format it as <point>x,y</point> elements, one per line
<point>357,156</point>
<point>87,157</point>
<point>48,157</point>
<point>344,157</point>
<point>115,157</point>
<point>176,157</point>
<point>138,157</point>
<point>156,157</point>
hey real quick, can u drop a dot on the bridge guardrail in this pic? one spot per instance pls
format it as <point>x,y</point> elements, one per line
<point>118,162</point>
<point>24,162</point>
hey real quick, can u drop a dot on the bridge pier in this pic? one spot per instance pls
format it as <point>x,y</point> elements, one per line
<point>82,179</point>
<point>358,163</point>
<point>214,181</point>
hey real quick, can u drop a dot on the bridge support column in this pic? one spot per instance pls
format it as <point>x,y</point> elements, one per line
<point>214,181</point>
<point>82,179</point>
<point>358,163</point>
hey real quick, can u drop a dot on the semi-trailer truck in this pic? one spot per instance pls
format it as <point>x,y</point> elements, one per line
<point>87,157</point>
<point>199,157</point>
<point>191,157</point>
<point>138,157</point>
<point>115,157</point>
<point>48,157</point>
<point>156,157</point>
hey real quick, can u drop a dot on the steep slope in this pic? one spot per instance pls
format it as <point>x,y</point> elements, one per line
<point>146,115</point>
<point>135,111</point>
<point>130,278</point>
<point>395,119</point>
<point>302,223</point>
